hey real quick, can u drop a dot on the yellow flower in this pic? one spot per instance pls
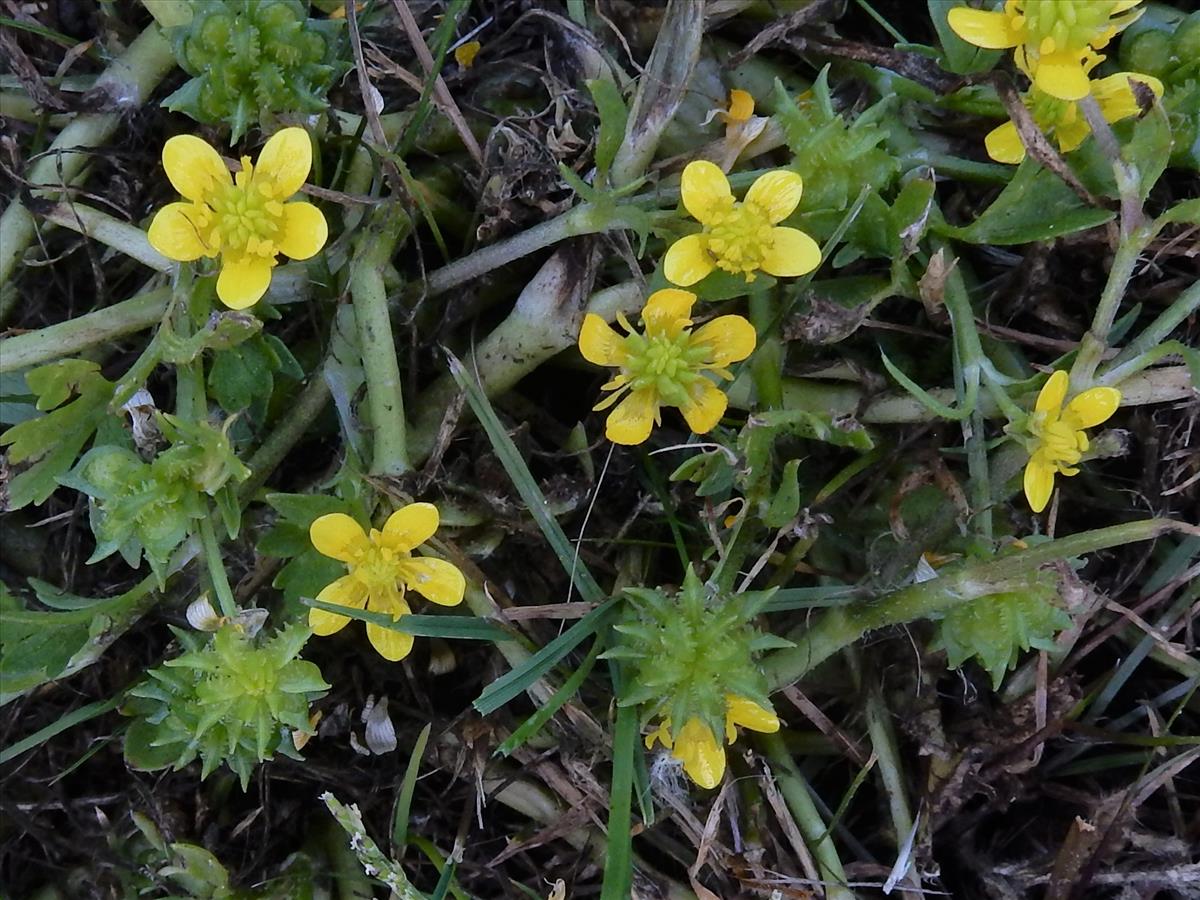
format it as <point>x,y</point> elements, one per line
<point>246,220</point>
<point>741,107</point>
<point>1063,119</point>
<point>381,568</point>
<point>1058,441</point>
<point>740,237</point>
<point>697,748</point>
<point>1053,38</point>
<point>665,366</point>
<point>465,54</point>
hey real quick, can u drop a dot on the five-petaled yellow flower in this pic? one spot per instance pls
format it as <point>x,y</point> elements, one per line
<point>382,568</point>
<point>741,238</point>
<point>1053,39</point>
<point>1058,441</point>
<point>666,365</point>
<point>1063,119</point>
<point>246,221</point>
<point>696,746</point>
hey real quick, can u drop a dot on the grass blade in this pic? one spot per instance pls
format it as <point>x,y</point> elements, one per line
<point>462,628</point>
<point>59,725</point>
<point>400,813</point>
<point>618,861</point>
<point>534,723</point>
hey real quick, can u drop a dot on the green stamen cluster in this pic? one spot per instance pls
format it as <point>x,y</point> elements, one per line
<point>1066,24</point>
<point>252,59</point>
<point>669,365</point>
<point>231,700</point>
<point>248,218</point>
<point>739,238</point>
<point>691,649</point>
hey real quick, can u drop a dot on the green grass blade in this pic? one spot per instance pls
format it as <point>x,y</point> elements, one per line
<point>515,682</point>
<point>618,861</point>
<point>408,784</point>
<point>462,628</point>
<point>537,721</point>
<point>59,725</point>
<point>522,480</point>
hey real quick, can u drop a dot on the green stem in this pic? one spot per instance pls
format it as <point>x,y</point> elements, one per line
<point>766,365</point>
<point>380,364</point>
<point>1130,359</point>
<point>216,567</point>
<point>286,435</point>
<point>101,326</point>
<point>841,626</point>
<point>110,231</point>
<point>794,788</point>
<point>1095,341</point>
<point>128,82</point>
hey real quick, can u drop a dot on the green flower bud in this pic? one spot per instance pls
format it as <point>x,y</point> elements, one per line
<point>251,59</point>
<point>232,700</point>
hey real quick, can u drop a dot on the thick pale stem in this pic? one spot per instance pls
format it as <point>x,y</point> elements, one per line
<point>380,365</point>
<point>124,85</point>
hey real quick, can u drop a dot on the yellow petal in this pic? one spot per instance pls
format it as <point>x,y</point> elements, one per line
<point>705,190</point>
<point>599,342</point>
<point>748,714</point>
<point>410,526</point>
<point>687,261</point>
<point>465,54</point>
<point>1091,407</point>
<point>1004,144</point>
<point>667,312</point>
<point>631,421</point>
<point>1039,482</point>
<point>662,734</point>
<point>437,580</point>
<point>337,536</point>
<point>1062,75</point>
<point>175,235</point>
<point>702,757</point>
<point>1115,94</point>
<point>1071,134</point>
<point>776,193</point>
<point>346,591</point>
<point>731,338</point>
<point>304,231</point>
<point>391,645</point>
<point>705,407</point>
<point>741,105</point>
<point>244,280</point>
<point>792,253</point>
<point>1050,398</point>
<point>991,30</point>
<point>194,168</point>
<point>284,162</point>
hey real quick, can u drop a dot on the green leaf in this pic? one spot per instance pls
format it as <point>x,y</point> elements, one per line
<point>545,713</point>
<point>1149,150</point>
<point>408,784</point>
<point>59,725</point>
<point>618,858</point>
<point>448,626</point>
<point>995,629</point>
<point>613,117</point>
<point>512,684</point>
<point>1035,206</point>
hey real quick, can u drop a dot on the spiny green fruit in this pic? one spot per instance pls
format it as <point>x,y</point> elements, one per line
<point>689,650</point>
<point>251,59</point>
<point>233,699</point>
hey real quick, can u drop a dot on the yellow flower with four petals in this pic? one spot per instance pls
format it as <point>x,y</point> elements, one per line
<point>1058,441</point>
<point>665,366</point>
<point>1053,40</point>
<point>1063,119</point>
<point>740,237</point>
<point>381,569</point>
<point>246,220</point>
<point>697,748</point>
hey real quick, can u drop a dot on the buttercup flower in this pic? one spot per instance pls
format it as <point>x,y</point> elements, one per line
<point>1052,38</point>
<point>1058,441</point>
<point>1064,120</point>
<point>740,237</point>
<point>465,54</point>
<point>244,220</point>
<point>696,746</point>
<point>665,365</point>
<point>382,568</point>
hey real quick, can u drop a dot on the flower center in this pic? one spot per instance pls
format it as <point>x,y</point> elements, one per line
<point>1058,441</point>
<point>380,569</point>
<point>247,219</point>
<point>1057,25</point>
<point>665,364</point>
<point>739,237</point>
<point>1048,111</point>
